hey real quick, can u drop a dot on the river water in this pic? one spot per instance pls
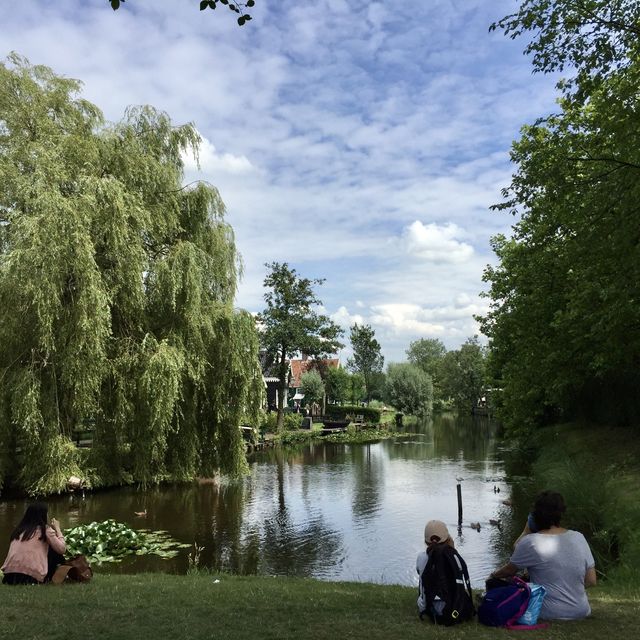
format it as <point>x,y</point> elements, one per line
<point>334,512</point>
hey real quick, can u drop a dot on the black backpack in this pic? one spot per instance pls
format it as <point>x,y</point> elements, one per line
<point>446,577</point>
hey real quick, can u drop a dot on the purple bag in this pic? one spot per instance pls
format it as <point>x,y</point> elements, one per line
<point>504,606</point>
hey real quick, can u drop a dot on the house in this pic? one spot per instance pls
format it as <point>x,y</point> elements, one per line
<point>300,367</point>
<point>271,380</point>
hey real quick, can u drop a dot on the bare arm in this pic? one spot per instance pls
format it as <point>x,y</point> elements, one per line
<point>590,577</point>
<point>506,571</point>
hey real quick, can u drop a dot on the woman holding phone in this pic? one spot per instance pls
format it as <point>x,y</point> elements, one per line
<point>35,548</point>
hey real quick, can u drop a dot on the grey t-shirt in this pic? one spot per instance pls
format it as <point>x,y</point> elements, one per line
<point>559,563</point>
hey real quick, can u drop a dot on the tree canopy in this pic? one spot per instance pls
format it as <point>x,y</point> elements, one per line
<point>116,297</point>
<point>463,374</point>
<point>367,358</point>
<point>409,389</point>
<point>233,5</point>
<point>564,322</point>
<point>337,384</point>
<point>596,38</point>
<point>428,353</point>
<point>312,387</point>
<point>290,323</point>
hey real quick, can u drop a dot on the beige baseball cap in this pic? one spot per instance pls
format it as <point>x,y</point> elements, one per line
<point>435,532</point>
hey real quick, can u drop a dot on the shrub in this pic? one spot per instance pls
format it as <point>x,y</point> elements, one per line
<point>351,411</point>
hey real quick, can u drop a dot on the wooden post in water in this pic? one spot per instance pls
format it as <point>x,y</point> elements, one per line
<point>459,491</point>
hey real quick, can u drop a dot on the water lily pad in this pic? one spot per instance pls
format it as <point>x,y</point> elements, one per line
<point>111,541</point>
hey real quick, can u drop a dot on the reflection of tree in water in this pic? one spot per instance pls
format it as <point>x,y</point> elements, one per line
<point>368,476</point>
<point>290,548</point>
<point>468,437</point>
<point>293,550</point>
<point>448,436</point>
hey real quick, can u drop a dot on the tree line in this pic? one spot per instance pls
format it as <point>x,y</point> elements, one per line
<point>564,323</point>
<point>432,377</point>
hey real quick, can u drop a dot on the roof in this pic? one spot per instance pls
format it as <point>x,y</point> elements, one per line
<point>298,367</point>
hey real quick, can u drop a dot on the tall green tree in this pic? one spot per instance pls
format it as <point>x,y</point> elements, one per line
<point>367,358</point>
<point>116,297</point>
<point>291,324</point>
<point>337,384</point>
<point>428,353</point>
<point>312,387</point>
<point>357,388</point>
<point>409,389</point>
<point>564,325</point>
<point>463,374</point>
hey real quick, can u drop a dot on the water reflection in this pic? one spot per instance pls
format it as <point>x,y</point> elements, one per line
<point>340,512</point>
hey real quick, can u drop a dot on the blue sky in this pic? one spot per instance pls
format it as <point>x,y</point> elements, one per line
<point>361,142</point>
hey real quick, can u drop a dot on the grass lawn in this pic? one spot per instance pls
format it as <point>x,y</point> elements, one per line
<point>194,607</point>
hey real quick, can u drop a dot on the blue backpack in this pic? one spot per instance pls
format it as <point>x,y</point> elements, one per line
<point>503,606</point>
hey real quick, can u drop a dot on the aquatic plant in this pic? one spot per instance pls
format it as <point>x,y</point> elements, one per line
<point>111,541</point>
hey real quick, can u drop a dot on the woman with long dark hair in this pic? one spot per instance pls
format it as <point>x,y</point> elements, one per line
<point>557,558</point>
<point>36,548</point>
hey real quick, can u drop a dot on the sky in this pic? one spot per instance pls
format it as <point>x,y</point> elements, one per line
<point>361,142</point>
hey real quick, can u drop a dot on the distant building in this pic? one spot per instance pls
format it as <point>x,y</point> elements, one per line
<point>302,366</point>
<point>297,367</point>
<point>272,381</point>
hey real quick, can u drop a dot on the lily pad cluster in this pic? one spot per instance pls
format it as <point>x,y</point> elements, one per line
<point>111,541</point>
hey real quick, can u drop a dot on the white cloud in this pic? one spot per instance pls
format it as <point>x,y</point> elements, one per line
<point>436,243</point>
<point>405,318</point>
<point>344,319</point>
<point>211,162</point>
<point>329,127</point>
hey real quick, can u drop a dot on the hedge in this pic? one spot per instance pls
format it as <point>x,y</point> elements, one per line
<point>369,414</point>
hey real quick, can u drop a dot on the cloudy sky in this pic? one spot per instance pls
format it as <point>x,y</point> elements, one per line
<point>359,141</point>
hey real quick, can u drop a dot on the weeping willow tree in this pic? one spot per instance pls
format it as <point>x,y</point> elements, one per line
<point>116,297</point>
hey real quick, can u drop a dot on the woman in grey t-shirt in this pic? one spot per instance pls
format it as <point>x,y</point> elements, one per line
<point>557,558</point>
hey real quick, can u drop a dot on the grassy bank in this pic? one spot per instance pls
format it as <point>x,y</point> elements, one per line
<point>597,469</point>
<point>198,607</point>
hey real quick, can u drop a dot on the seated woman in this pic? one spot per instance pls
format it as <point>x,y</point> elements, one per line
<point>36,548</point>
<point>557,558</point>
<point>435,533</point>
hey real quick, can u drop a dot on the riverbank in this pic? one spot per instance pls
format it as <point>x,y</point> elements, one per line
<point>351,435</point>
<point>597,469</point>
<point>239,607</point>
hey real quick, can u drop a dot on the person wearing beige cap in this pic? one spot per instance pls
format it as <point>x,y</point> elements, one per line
<point>435,532</point>
<point>444,591</point>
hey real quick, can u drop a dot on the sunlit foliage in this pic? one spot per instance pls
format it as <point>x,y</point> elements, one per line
<point>564,320</point>
<point>116,297</point>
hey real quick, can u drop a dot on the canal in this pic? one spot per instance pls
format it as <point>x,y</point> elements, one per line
<point>330,511</point>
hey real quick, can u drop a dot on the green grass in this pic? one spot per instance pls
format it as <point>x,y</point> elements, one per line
<point>597,469</point>
<point>194,607</point>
